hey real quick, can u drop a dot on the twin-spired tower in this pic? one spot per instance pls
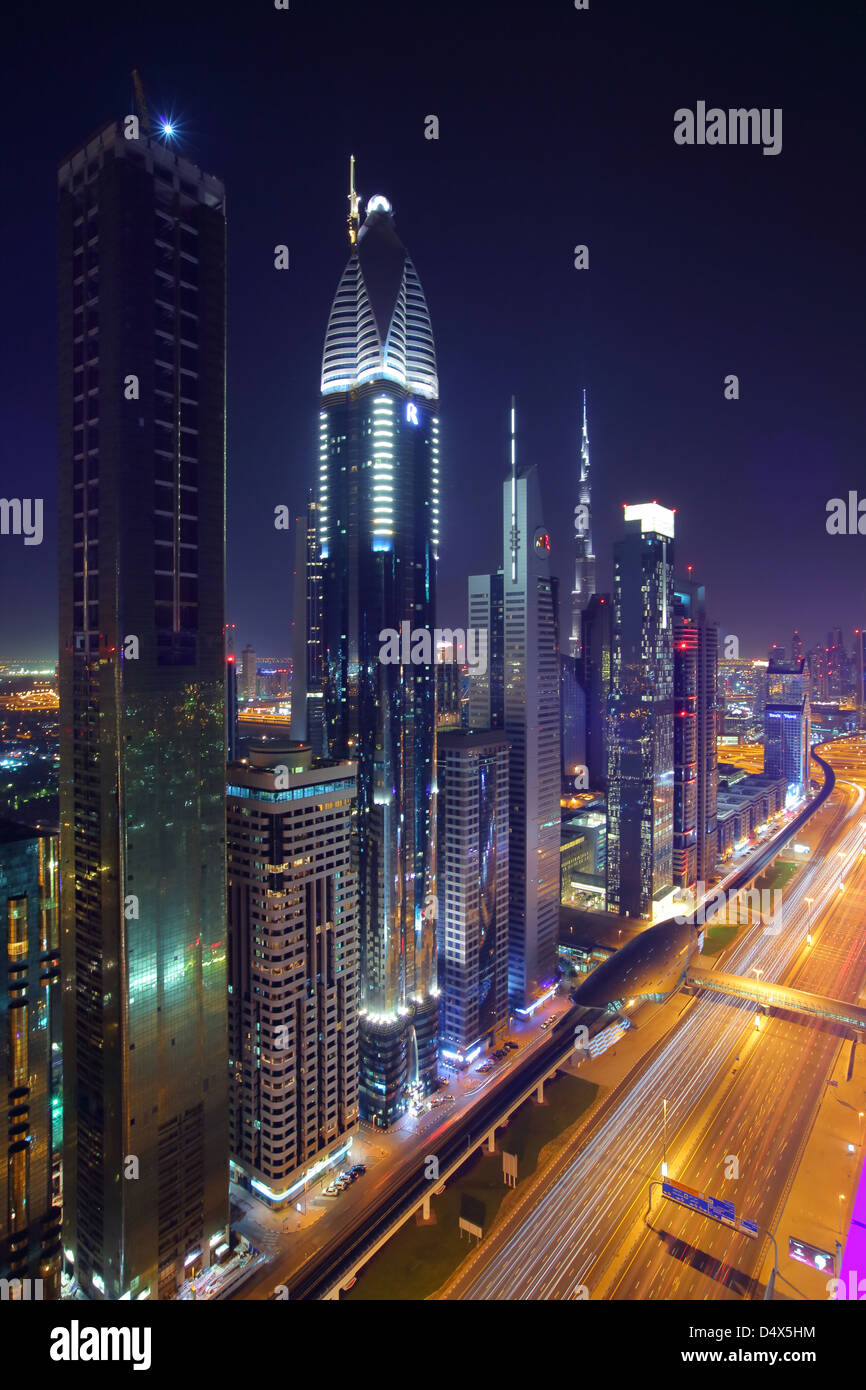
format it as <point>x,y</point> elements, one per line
<point>378,540</point>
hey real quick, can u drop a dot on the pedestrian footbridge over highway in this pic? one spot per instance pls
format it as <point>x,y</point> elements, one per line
<point>773,996</point>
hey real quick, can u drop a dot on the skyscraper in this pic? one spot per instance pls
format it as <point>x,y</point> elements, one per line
<point>473,890</point>
<point>378,543</point>
<point>685,845</point>
<point>594,675</point>
<point>696,717</point>
<point>584,563</point>
<point>141,274</point>
<point>293,1032</point>
<point>572,725</point>
<point>836,664</point>
<point>787,723</point>
<point>231,696</point>
<point>786,680</point>
<point>249,675</point>
<point>860,671</point>
<point>451,690</point>
<point>786,744</point>
<point>30,1239</point>
<point>308,671</point>
<point>640,783</point>
<point>530,705</point>
<point>487,688</point>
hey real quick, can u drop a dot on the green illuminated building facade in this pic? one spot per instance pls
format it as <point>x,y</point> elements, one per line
<point>30,1244</point>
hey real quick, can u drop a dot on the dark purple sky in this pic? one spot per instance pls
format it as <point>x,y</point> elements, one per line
<point>556,128</point>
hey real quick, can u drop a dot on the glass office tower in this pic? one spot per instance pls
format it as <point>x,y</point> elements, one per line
<point>787,741</point>
<point>378,545</point>
<point>594,675</point>
<point>640,783</point>
<point>141,259</point>
<point>522,689</point>
<point>473,912</point>
<point>308,673</point>
<point>487,687</point>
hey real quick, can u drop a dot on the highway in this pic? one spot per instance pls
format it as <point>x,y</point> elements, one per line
<point>394,1190</point>
<point>731,1091</point>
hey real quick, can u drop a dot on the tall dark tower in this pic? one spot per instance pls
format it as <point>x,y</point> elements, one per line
<point>584,563</point>
<point>141,276</point>
<point>860,660</point>
<point>594,672</point>
<point>378,543</point>
<point>640,778</point>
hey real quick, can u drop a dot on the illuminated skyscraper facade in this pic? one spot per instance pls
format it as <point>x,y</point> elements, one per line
<point>685,847</point>
<point>584,564</point>
<point>487,687</point>
<point>141,256</point>
<point>473,891</point>
<point>696,717</point>
<point>860,671</point>
<point>640,782</point>
<point>787,729</point>
<point>30,1037</point>
<point>249,675</point>
<point>526,631</point>
<point>293,967</point>
<point>308,670</point>
<point>378,543</point>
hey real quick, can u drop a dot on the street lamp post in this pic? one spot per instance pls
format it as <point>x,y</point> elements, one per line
<point>664,1138</point>
<point>809,902</point>
<point>771,1282</point>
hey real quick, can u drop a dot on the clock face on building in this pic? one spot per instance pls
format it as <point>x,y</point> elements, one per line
<point>542,542</point>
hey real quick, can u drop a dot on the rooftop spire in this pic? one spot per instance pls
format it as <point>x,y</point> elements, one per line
<point>353,204</point>
<point>514,530</point>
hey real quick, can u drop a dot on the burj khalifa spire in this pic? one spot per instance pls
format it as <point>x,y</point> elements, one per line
<point>584,563</point>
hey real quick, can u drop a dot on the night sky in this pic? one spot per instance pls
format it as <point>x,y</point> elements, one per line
<point>556,128</point>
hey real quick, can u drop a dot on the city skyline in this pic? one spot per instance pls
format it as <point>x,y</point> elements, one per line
<point>519,897</point>
<point>684,281</point>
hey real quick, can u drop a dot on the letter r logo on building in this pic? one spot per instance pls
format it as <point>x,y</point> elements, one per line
<point>411,412</point>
